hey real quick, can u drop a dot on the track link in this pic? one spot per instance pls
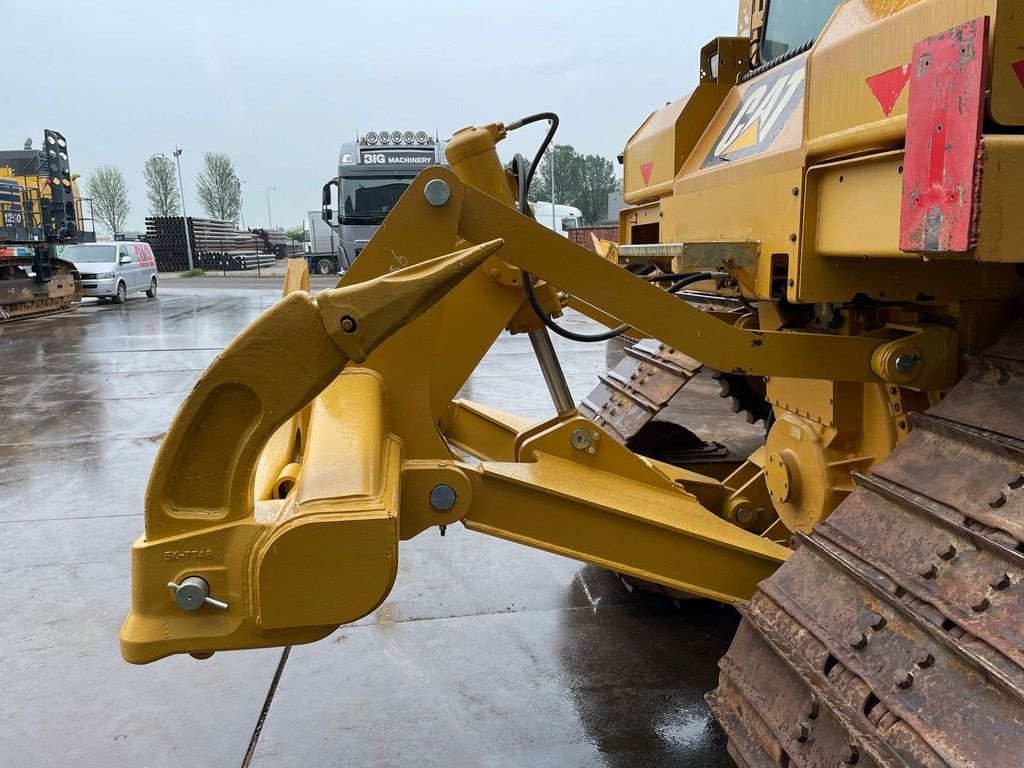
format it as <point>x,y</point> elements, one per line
<point>894,635</point>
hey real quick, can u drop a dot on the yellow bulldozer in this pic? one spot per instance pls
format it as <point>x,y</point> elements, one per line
<point>839,187</point>
<point>40,211</point>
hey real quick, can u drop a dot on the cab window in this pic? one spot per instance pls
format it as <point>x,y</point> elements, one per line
<point>791,23</point>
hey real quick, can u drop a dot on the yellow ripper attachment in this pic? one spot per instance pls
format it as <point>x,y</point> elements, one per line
<point>217,569</point>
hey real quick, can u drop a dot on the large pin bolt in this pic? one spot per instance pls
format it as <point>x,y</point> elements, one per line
<point>348,324</point>
<point>905,364</point>
<point>193,593</point>
<point>443,497</point>
<point>437,192</point>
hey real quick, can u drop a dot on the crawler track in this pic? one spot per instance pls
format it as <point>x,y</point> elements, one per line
<point>22,297</point>
<point>894,636</point>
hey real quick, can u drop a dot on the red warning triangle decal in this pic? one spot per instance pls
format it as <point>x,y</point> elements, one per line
<point>645,171</point>
<point>887,86</point>
<point>1018,67</point>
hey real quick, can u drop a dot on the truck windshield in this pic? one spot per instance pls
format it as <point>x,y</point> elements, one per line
<point>370,197</point>
<point>90,253</point>
<point>791,23</point>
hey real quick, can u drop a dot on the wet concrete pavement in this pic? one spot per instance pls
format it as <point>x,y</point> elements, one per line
<point>485,654</point>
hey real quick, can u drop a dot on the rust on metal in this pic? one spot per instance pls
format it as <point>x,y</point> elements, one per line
<point>638,388</point>
<point>943,152</point>
<point>914,653</point>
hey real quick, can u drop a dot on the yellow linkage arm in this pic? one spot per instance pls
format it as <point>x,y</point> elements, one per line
<point>216,570</point>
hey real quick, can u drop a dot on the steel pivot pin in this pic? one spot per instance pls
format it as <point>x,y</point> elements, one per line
<point>437,192</point>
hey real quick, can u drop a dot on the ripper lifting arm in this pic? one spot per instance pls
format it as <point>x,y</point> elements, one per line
<point>286,480</point>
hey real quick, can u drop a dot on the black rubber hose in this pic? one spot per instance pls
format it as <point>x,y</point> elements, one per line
<point>524,178</point>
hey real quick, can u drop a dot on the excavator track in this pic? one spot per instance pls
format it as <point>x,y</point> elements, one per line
<point>22,297</point>
<point>893,636</point>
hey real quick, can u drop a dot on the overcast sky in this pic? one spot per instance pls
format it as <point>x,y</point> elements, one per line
<point>279,85</point>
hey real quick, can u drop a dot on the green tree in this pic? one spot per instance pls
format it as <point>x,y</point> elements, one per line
<point>298,234</point>
<point>162,186</point>
<point>109,193</point>
<point>218,187</point>
<point>582,181</point>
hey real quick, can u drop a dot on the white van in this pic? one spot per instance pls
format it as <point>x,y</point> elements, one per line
<point>113,270</point>
<point>565,217</point>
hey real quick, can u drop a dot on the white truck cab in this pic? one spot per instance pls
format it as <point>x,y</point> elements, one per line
<point>564,217</point>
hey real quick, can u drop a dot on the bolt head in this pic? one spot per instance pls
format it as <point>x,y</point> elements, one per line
<point>348,324</point>
<point>945,551</point>
<point>443,497</point>
<point>1001,582</point>
<point>801,732</point>
<point>581,439</point>
<point>876,621</point>
<point>905,364</point>
<point>922,658</point>
<point>903,678</point>
<point>437,192</point>
<point>928,571</point>
<point>979,602</point>
<point>857,639</point>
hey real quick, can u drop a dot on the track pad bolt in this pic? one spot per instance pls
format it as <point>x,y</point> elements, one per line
<point>802,732</point>
<point>903,679</point>
<point>876,621</point>
<point>922,658</point>
<point>851,756</point>
<point>979,602</point>
<point>928,571</point>
<point>945,551</point>
<point>857,640</point>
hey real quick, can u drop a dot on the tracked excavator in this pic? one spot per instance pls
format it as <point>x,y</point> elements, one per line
<point>40,211</point>
<point>844,180</point>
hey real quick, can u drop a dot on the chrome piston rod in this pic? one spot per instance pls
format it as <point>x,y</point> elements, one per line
<point>552,370</point>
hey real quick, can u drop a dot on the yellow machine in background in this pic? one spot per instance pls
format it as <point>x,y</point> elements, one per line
<point>843,181</point>
<point>40,211</point>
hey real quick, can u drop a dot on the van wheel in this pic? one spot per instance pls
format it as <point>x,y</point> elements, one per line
<point>152,289</point>
<point>122,294</point>
<point>325,267</point>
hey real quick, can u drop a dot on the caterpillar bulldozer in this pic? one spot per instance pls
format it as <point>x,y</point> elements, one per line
<point>841,187</point>
<point>40,210</point>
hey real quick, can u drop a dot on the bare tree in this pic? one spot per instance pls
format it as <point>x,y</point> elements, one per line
<point>218,187</point>
<point>109,193</point>
<point>162,186</point>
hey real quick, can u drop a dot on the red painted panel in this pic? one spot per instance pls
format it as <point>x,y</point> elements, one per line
<point>944,120</point>
<point>888,86</point>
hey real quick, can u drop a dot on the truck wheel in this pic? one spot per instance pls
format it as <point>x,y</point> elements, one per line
<point>151,293</point>
<point>122,294</point>
<point>325,267</point>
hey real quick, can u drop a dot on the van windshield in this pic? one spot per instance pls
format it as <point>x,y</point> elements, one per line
<point>90,253</point>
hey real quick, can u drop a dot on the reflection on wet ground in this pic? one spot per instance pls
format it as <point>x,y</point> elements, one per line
<point>485,654</point>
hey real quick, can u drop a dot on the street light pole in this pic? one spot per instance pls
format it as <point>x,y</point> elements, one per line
<point>184,215</point>
<point>553,227</point>
<point>269,217</point>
